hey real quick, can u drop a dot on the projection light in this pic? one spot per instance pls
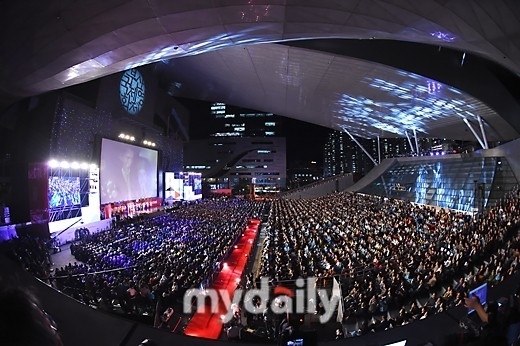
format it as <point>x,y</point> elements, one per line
<point>412,103</point>
<point>132,91</point>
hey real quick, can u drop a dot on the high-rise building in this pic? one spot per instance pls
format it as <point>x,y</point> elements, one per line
<point>344,155</point>
<point>230,121</point>
<point>301,173</point>
<point>241,150</point>
<point>335,160</point>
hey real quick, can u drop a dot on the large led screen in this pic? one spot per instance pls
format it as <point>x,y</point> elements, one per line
<point>174,186</point>
<point>67,193</point>
<point>192,186</point>
<point>182,186</point>
<point>127,172</point>
<point>64,192</point>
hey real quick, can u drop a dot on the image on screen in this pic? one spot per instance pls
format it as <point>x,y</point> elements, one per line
<point>481,293</point>
<point>173,186</point>
<point>196,183</point>
<point>67,193</point>
<point>182,186</point>
<point>127,172</point>
<point>192,186</point>
<point>64,192</point>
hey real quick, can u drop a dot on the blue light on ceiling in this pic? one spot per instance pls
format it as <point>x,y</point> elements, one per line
<point>412,104</point>
<point>444,36</point>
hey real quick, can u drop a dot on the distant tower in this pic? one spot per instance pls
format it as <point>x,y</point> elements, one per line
<point>335,154</point>
<point>230,121</point>
<point>343,155</point>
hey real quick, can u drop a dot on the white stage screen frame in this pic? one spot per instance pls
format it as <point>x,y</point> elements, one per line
<point>127,172</point>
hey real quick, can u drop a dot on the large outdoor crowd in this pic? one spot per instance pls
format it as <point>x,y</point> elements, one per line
<point>30,253</point>
<point>396,261</point>
<point>391,255</point>
<point>162,256</point>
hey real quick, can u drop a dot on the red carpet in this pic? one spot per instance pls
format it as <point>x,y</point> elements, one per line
<point>209,325</point>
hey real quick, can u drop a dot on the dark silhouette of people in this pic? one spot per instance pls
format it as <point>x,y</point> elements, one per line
<point>23,322</point>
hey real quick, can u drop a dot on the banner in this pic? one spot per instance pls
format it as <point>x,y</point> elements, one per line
<point>38,184</point>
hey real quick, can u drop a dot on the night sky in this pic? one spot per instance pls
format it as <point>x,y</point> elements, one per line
<point>304,140</point>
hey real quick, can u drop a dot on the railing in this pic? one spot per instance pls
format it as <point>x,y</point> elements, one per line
<point>91,273</point>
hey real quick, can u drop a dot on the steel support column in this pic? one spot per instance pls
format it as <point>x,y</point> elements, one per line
<point>474,132</point>
<point>361,146</point>
<point>378,150</point>
<point>416,141</point>
<point>410,142</point>
<point>484,139</point>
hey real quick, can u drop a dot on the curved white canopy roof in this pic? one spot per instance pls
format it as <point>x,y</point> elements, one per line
<point>423,65</point>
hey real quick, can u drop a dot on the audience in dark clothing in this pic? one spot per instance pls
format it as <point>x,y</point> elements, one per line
<point>397,261</point>
<point>392,255</point>
<point>155,258</point>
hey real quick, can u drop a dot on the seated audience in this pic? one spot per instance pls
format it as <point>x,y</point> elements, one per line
<point>391,254</point>
<point>392,257</point>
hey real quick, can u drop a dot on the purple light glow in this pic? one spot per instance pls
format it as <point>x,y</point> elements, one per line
<point>443,36</point>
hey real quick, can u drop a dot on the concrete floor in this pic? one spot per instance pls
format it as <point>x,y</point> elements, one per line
<point>62,258</point>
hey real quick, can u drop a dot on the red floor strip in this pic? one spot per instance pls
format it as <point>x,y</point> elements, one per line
<point>209,325</point>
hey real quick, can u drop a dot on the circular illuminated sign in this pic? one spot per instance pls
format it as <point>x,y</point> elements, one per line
<point>131,91</point>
